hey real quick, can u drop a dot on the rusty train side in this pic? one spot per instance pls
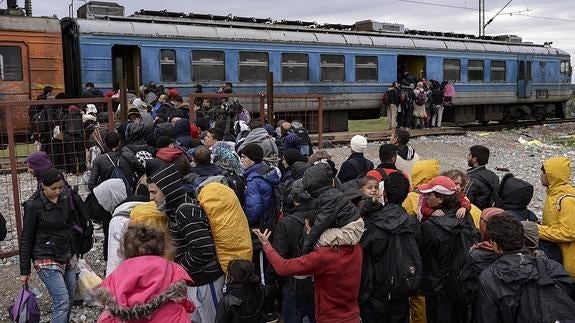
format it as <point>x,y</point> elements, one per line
<point>30,59</point>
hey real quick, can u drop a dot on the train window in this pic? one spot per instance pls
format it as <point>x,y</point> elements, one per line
<point>168,65</point>
<point>562,67</point>
<point>451,70</point>
<point>332,68</point>
<point>10,63</point>
<point>208,65</point>
<point>253,66</point>
<point>498,71</point>
<point>366,68</point>
<point>475,71</point>
<point>295,67</point>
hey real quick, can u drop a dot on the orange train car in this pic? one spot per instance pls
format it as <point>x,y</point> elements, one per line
<point>30,59</point>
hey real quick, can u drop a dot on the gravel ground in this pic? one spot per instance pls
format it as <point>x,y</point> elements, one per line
<point>523,160</point>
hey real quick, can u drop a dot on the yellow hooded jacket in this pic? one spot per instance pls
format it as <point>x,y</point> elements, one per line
<point>558,210</point>
<point>422,172</point>
<point>228,223</point>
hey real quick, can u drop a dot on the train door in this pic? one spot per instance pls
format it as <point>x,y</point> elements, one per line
<point>414,65</point>
<point>524,77</point>
<point>127,65</point>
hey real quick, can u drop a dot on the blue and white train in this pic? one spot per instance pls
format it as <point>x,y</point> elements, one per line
<point>351,66</point>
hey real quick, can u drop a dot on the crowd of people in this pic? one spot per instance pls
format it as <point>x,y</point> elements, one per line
<point>247,223</point>
<point>412,104</point>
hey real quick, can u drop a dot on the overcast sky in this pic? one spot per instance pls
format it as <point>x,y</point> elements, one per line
<point>549,21</point>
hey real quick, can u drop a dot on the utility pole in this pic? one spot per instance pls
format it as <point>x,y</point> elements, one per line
<point>481,18</point>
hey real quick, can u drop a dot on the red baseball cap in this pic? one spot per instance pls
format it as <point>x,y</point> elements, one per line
<point>440,184</point>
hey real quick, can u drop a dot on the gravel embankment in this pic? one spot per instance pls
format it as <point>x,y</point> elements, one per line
<point>506,152</point>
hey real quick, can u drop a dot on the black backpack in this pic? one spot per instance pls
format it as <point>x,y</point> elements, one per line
<point>275,212</point>
<point>82,227</point>
<point>118,172</point>
<point>397,273</point>
<point>542,300</point>
<point>306,147</point>
<point>40,122</point>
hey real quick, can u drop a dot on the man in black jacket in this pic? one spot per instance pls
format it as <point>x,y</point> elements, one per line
<point>483,187</point>
<point>356,165</point>
<point>519,287</point>
<point>104,164</point>
<point>195,248</point>
<point>288,238</point>
<point>382,300</point>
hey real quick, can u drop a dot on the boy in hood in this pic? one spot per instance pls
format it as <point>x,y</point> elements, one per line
<point>406,155</point>
<point>505,284</point>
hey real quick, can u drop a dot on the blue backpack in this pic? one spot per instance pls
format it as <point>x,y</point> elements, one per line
<point>118,172</point>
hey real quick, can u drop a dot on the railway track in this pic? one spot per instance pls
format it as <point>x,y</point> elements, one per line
<point>516,124</point>
<point>332,138</point>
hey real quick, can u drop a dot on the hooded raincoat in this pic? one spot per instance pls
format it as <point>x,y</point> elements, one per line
<point>558,220</point>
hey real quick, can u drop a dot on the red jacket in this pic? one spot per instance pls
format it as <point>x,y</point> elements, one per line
<point>337,277</point>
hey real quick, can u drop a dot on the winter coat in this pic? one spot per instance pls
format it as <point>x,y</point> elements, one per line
<point>228,223</point>
<point>406,159</point>
<point>356,166</point>
<point>435,248</point>
<point>259,192</point>
<point>337,276</point>
<point>501,284</point>
<point>145,289</point>
<point>332,207</point>
<point>261,137</point>
<point>102,168</point>
<point>390,219</point>
<point>183,137</point>
<point>46,231</point>
<point>117,227</point>
<point>477,261</point>
<point>558,220</point>
<point>483,187</point>
<point>514,196</point>
<point>135,132</point>
<point>242,304</point>
<point>423,171</point>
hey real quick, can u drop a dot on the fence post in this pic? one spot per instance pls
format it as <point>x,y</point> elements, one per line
<point>13,169</point>
<point>262,110</point>
<point>110,110</point>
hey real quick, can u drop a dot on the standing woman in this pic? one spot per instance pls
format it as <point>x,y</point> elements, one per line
<point>46,242</point>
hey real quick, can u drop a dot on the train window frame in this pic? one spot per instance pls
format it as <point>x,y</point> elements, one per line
<point>252,66</point>
<point>332,71</point>
<point>498,70</point>
<point>449,69</point>
<point>290,67</point>
<point>168,66</point>
<point>217,62</point>
<point>475,73</point>
<point>365,67</point>
<point>8,73</point>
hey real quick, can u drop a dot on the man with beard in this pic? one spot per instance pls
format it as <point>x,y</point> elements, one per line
<point>484,184</point>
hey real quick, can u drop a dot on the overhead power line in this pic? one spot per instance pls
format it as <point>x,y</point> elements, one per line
<point>519,13</point>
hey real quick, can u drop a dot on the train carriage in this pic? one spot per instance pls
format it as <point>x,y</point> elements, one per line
<point>30,59</point>
<point>496,78</point>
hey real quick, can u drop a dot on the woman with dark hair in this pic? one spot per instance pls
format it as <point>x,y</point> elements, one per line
<point>445,244</point>
<point>46,242</point>
<point>146,286</point>
<point>244,295</point>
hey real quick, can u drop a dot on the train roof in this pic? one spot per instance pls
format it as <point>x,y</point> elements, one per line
<point>32,24</point>
<point>165,24</point>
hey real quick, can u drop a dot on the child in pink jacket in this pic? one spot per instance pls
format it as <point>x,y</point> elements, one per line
<point>145,287</point>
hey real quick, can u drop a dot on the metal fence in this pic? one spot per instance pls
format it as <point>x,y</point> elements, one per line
<point>68,148</point>
<point>18,139</point>
<point>305,108</point>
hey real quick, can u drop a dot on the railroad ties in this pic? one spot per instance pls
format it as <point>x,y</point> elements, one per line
<point>384,135</point>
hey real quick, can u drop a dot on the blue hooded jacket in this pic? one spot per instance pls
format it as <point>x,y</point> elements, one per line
<point>259,191</point>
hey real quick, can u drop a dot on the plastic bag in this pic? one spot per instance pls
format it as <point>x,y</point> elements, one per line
<point>87,280</point>
<point>25,308</point>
